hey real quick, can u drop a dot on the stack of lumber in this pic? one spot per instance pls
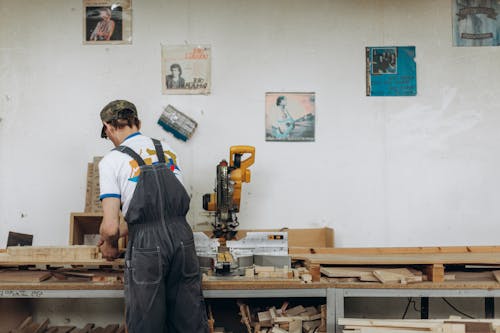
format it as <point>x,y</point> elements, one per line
<point>283,320</point>
<point>452,325</point>
<point>28,326</point>
<point>433,259</point>
<point>92,201</point>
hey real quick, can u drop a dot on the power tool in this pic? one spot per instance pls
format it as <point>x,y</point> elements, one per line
<point>225,201</point>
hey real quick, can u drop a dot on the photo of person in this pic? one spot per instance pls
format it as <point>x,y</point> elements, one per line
<point>104,24</point>
<point>105,27</point>
<point>185,69</point>
<point>290,116</point>
<point>285,123</point>
<point>174,79</point>
<point>107,22</point>
<point>384,61</point>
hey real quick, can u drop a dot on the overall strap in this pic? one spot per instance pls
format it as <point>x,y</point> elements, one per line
<point>159,151</point>
<point>131,153</point>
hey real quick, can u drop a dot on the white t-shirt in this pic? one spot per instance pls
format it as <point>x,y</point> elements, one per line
<point>119,173</point>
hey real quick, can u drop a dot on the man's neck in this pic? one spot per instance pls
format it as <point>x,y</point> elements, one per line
<point>124,133</point>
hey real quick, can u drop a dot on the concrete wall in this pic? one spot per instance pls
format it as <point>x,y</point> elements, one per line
<point>406,171</point>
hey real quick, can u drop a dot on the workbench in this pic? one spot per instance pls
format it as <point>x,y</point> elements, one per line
<point>334,293</point>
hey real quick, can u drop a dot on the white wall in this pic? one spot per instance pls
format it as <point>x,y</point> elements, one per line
<point>382,172</point>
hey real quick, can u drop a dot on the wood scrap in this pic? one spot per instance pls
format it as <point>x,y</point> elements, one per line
<point>295,310</point>
<point>362,273</point>
<point>86,329</point>
<point>396,275</point>
<point>496,275</point>
<point>295,326</point>
<point>24,276</point>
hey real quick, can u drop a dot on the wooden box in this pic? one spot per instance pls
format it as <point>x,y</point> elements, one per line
<point>82,224</point>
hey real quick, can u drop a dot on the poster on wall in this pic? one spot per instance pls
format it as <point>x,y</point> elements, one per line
<point>391,71</point>
<point>475,22</point>
<point>107,22</point>
<point>186,69</point>
<point>290,116</point>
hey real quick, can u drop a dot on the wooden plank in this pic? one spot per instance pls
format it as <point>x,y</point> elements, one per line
<point>6,260</point>
<point>88,192</point>
<point>96,205</point>
<point>392,250</point>
<point>363,273</point>
<point>402,259</point>
<point>24,276</point>
<point>393,323</point>
<point>388,330</point>
<point>396,275</point>
<point>48,253</point>
<point>314,271</point>
<point>472,326</point>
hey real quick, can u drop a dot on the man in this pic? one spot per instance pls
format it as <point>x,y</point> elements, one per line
<point>162,276</point>
<point>175,79</point>
<point>105,27</point>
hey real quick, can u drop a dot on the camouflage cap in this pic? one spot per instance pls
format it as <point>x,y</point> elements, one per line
<point>113,109</point>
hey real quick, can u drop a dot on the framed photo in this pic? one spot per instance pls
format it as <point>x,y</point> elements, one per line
<point>107,22</point>
<point>391,71</point>
<point>475,23</point>
<point>186,69</point>
<point>290,116</point>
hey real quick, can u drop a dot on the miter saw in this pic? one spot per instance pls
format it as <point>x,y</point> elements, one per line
<point>225,202</point>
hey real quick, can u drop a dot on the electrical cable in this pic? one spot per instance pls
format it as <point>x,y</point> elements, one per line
<point>411,301</point>
<point>407,306</point>
<point>457,310</point>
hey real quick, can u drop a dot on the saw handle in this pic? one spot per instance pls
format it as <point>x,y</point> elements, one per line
<point>244,164</point>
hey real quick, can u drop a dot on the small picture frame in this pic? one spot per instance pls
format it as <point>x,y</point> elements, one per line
<point>290,116</point>
<point>186,69</point>
<point>107,22</point>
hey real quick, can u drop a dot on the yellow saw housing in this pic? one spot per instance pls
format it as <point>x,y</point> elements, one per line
<point>226,199</point>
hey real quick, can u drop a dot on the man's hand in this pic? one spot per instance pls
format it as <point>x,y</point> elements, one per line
<point>109,252</point>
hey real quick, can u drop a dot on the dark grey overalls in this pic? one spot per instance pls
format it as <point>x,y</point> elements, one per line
<point>162,275</point>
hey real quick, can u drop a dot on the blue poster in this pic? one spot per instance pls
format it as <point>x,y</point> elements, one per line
<point>475,23</point>
<point>391,71</point>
